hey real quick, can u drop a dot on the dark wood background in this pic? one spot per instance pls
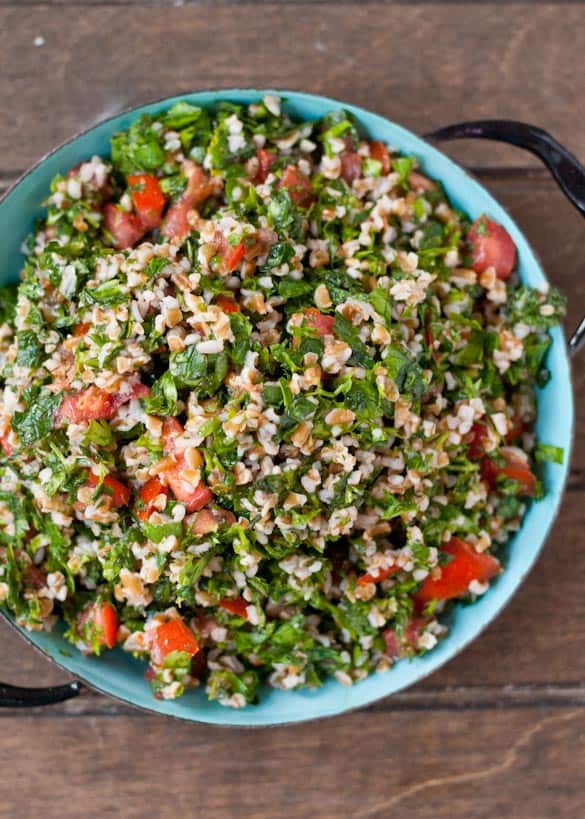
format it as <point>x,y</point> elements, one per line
<point>499,732</point>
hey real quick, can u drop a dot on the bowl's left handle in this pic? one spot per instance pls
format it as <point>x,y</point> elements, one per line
<point>12,696</point>
<point>566,169</point>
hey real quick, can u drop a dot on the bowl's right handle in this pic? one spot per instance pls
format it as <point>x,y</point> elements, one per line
<point>565,168</point>
<point>12,696</point>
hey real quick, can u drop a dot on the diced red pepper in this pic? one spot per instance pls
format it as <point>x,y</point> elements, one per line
<point>515,468</point>
<point>492,246</point>
<point>105,619</point>
<point>113,488</point>
<point>383,574</point>
<point>380,152</point>
<point>148,198</point>
<point>465,566</point>
<point>227,304</point>
<point>265,161</point>
<point>319,321</point>
<point>298,185</point>
<point>399,646</point>
<point>174,635</point>
<point>235,606</point>
<point>148,494</point>
<point>199,188</point>
<point>125,228</point>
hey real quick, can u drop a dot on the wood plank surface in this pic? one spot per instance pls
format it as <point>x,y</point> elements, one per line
<point>499,731</point>
<point>423,65</point>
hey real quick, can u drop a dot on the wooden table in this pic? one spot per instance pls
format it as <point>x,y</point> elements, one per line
<point>500,731</point>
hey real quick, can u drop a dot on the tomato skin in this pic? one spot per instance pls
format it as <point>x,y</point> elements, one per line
<point>148,198</point>
<point>298,185</point>
<point>515,468</point>
<point>199,188</point>
<point>126,228</point>
<point>227,304</point>
<point>174,635</point>
<point>492,246</point>
<point>383,574</point>
<point>319,321</point>
<point>115,489</point>
<point>265,161</point>
<point>105,617</point>
<point>351,166</point>
<point>465,566</point>
<point>380,152</point>
<point>235,606</point>
<point>399,646</point>
<point>148,494</point>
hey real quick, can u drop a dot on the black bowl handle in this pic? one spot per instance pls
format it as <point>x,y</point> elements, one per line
<point>12,696</point>
<point>565,168</point>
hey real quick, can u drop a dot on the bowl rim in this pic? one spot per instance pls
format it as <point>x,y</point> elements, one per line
<point>223,94</point>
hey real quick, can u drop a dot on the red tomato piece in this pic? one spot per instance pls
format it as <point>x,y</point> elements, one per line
<point>265,161</point>
<point>91,404</point>
<point>298,185</point>
<point>351,166</point>
<point>399,646</point>
<point>5,444</point>
<point>199,188</point>
<point>517,430</point>
<point>515,468</point>
<point>36,576</point>
<point>105,619</point>
<point>478,438</point>
<point>148,494</point>
<point>465,566</point>
<point>318,321</point>
<point>383,574</point>
<point>380,152</point>
<point>232,256</point>
<point>227,304</point>
<point>174,635</point>
<point>148,198</point>
<point>126,228</point>
<point>235,606</point>
<point>112,487</point>
<point>492,246</point>
<point>194,497</point>
<point>81,329</point>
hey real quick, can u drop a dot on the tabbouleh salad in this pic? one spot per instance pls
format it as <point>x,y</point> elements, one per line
<point>267,403</point>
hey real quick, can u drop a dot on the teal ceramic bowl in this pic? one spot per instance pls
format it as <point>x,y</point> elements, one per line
<point>116,673</point>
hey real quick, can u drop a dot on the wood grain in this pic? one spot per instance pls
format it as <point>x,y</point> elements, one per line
<point>425,765</point>
<point>422,65</point>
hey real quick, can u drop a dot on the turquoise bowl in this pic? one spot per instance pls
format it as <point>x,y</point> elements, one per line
<point>119,675</point>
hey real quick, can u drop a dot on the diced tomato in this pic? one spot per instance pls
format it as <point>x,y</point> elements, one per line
<point>5,444</point>
<point>516,431</point>
<point>231,255</point>
<point>419,182</point>
<point>227,304</point>
<point>115,489</point>
<point>199,188</point>
<point>174,635</point>
<point>351,166</point>
<point>383,574</point>
<point>478,439</point>
<point>105,619</point>
<point>126,228</point>
<point>81,329</point>
<point>235,606</point>
<point>492,246</point>
<point>465,566</point>
<point>209,520</point>
<point>194,497</point>
<point>515,468</point>
<point>321,323</point>
<point>298,185</point>
<point>36,576</point>
<point>148,494</point>
<point>265,161</point>
<point>94,403</point>
<point>398,646</point>
<point>148,198</point>
<point>380,152</point>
